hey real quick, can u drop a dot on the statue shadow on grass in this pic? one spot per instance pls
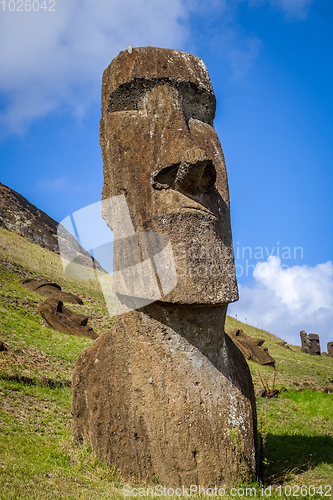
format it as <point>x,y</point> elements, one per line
<point>284,455</point>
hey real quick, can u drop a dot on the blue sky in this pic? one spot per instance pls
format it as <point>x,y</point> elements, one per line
<point>270,62</point>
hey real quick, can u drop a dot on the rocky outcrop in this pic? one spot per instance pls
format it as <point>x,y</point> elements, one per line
<point>19,215</point>
<point>49,289</point>
<point>250,347</point>
<point>58,317</point>
<point>166,393</point>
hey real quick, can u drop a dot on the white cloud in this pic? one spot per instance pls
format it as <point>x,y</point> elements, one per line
<point>285,301</point>
<point>293,9</point>
<point>241,56</point>
<point>59,184</point>
<point>54,58</point>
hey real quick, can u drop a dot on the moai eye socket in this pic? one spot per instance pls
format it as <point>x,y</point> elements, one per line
<point>208,178</point>
<point>198,104</point>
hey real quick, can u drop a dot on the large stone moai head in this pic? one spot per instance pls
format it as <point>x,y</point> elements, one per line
<point>330,349</point>
<point>310,343</point>
<point>314,344</point>
<point>161,151</point>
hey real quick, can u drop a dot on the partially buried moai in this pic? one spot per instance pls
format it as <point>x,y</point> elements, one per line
<point>166,393</point>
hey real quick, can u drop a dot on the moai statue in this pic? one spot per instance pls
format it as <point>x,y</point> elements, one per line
<point>330,349</point>
<point>251,347</point>
<point>314,344</point>
<point>310,343</point>
<point>166,393</point>
<point>305,344</point>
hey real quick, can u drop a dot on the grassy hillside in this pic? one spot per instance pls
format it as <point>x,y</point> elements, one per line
<point>294,369</point>
<point>37,458</point>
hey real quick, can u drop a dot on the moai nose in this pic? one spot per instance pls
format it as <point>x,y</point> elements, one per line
<point>194,177</point>
<point>187,178</point>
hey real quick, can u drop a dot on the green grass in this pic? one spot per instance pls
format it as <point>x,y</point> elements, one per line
<point>37,458</point>
<point>297,429</point>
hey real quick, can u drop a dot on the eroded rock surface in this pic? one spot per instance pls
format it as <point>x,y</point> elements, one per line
<point>48,289</point>
<point>17,214</point>
<point>156,398</point>
<point>58,317</point>
<point>166,393</point>
<point>251,347</point>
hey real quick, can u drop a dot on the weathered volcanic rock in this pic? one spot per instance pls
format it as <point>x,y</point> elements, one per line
<point>251,347</point>
<point>156,398</point>
<point>166,392</point>
<point>48,289</point>
<point>17,214</point>
<point>310,343</point>
<point>58,317</point>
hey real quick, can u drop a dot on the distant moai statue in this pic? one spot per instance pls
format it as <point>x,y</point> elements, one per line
<point>165,392</point>
<point>330,349</point>
<point>310,343</point>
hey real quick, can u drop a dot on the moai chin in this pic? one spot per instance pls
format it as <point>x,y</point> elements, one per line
<point>166,393</point>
